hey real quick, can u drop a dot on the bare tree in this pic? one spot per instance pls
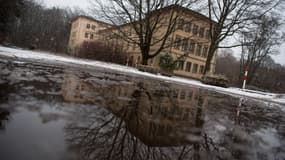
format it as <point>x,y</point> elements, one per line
<point>228,65</point>
<point>264,40</point>
<point>140,22</point>
<point>9,11</point>
<point>232,16</point>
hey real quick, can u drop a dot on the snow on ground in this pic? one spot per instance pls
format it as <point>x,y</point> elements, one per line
<point>51,58</point>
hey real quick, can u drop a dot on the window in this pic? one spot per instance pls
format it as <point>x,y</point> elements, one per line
<point>205,52</point>
<point>201,32</point>
<point>195,30</point>
<point>188,27</point>
<point>86,35</point>
<point>175,93</point>
<point>134,46</point>
<point>195,68</point>
<point>192,47</point>
<point>91,36</point>
<point>93,27</point>
<point>88,26</point>
<point>180,65</point>
<point>180,24</point>
<point>188,66</point>
<point>177,43</point>
<point>208,34</point>
<point>190,94</point>
<point>184,44</point>
<point>201,69</point>
<point>182,94</point>
<point>198,50</point>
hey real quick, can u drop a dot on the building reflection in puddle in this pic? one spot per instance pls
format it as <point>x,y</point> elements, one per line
<point>148,121</point>
<point>107,115</point>
<point>137,119</point>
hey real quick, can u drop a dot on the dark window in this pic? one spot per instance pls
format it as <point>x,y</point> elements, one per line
<point>180,65</point>
<point>195,30</point>
<point>190,94</point>
<point>175,94</point>
<point>182,94</point>
<point>177,43</point>
<point>91,36</point>
<point>198,50</point>
<point>184,44</point>
<point>188,66</point>
<point>191,47</point>
<point>208,34</point>
<point>195,68</point>
<point>201,69</point>
<point>88,26</point>
<point>201,32</point>
<point>86,35</point>
<point>188,27</point>
<point>180,24</point>
<point>205,52</point>
<point>93,27</point>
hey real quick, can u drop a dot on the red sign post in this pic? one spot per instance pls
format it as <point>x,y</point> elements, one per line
<point>245,77</point>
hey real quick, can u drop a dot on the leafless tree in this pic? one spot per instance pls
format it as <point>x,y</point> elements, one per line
<point>233,16</point>
<point>265,39</point>
<point>140,22</point>
<point>228,65</point>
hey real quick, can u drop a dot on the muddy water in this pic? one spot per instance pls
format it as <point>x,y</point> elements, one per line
<point>61,113</point>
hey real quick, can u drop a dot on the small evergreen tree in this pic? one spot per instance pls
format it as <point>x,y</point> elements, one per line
<point>167,62</point>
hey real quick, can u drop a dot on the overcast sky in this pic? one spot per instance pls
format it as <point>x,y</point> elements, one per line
<point>84,4</point>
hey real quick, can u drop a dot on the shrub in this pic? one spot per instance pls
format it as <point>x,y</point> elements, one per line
<point>167,62</point>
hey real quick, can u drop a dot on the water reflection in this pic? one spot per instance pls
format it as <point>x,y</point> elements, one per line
<point>98,114</point>
<point>4,117</point>
<point>163,121</point>
<point>148,121</point>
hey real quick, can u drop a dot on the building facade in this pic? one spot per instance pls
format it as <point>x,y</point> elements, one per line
<point>190,39</point>
<point>84,29</point>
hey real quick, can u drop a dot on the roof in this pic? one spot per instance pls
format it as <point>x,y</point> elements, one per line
<point>184,9</point>
<point>165,9</point>
<point>90,18</point>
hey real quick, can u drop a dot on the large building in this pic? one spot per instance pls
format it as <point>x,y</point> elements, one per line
<point>84,29</point>
<point>191,38</point>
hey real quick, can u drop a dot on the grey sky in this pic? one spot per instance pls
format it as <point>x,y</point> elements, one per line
<point>66,3</point>
<point>84,4</point>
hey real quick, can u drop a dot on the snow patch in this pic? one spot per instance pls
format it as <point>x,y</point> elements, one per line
<point>51,58</point>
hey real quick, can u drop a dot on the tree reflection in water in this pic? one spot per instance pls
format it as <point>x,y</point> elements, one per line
<point>146,122</point>
<point>4,117</point>
<point>135,119</point>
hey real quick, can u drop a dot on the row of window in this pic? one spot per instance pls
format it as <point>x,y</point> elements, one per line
<point>89,35</point>
<point>189,46</point>
<point>190,68</point>
<point>187,26</point>
<point>89,26</point>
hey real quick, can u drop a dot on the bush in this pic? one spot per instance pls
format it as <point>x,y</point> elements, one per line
<point>102,52</point>
<point>167,62</point>
<point>216,80</point>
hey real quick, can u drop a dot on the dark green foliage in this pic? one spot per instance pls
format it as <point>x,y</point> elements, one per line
<point>167,62</point>
<point>9,11</point>
<point>42,28</point>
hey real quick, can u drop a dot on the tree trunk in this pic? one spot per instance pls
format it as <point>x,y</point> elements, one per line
<point>144,59</point>
<point>209,59</point>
